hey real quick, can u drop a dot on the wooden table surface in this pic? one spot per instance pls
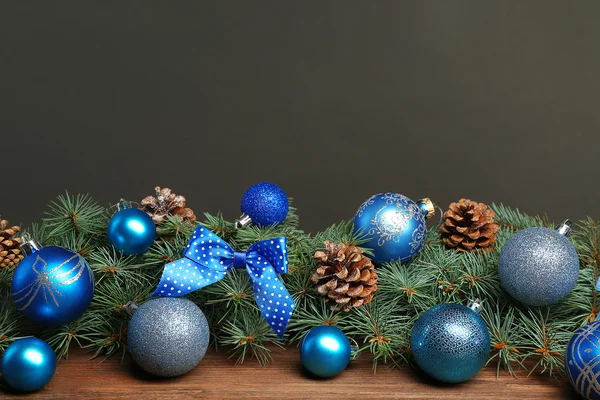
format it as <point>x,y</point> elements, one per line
<point>217,377</point>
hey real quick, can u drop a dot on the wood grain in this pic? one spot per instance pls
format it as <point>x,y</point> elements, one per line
<point>217,377</point>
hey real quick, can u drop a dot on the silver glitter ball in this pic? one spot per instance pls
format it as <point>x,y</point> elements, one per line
<point>538,266</point>
<point>168,336</point>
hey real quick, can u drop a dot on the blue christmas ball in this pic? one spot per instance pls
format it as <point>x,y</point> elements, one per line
<point>538,266</point>
<point>583,361</point>
<point>131,231</point>
<point>265,203</point>
<point>394,226</point>
<point>52,286</point>
<point>450,342</point>
<point>168,336</point>
<point>28,364</point>
<point>325,351</point>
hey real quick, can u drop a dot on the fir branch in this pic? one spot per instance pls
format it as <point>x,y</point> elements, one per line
<point>78,214</point>
<point>515,220</point>
<point>504,335</point>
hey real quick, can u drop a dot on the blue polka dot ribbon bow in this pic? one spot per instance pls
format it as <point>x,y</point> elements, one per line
<point>208,259</point>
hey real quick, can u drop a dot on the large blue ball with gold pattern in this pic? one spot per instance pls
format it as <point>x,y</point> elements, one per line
<point>394,226</point>
<point>583,361</point>
<point>52,285</point>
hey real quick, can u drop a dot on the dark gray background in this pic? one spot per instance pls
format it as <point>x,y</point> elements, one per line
<point>333,100</point>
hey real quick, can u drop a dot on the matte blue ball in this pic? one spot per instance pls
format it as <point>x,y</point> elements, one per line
<point>394,226</point>
<point>28,364</point>
<point>325,351</point>
<point>266,204</point>
<point>131,231</point>
<point>52,286</point>
<point>450,342</point>
<point>583,361</point>
<point>538,266</point>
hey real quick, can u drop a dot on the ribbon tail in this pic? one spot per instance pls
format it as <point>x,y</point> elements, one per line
<point>184,276</point>
<point>274,301</point>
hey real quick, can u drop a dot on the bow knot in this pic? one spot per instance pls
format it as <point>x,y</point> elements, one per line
<point>207,260</point>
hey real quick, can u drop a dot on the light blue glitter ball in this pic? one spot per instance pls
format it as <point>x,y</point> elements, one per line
<point>538,266</point>
<point>583,361</point>
<point>266,203</point>
<point>394,226</point>
<point>168,336</point>
<point>450,342</point>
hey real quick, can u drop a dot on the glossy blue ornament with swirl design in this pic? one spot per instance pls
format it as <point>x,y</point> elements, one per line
<point>450,342</point>
<point>263,204</point>
<point>28,364</point>
<point>394,226</point>
<point>325,351</point>
<point>52,285</point>
<point>131,230</point>
<point>583,361</point>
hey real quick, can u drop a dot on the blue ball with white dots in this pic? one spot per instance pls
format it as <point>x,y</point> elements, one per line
<point>266,204</point>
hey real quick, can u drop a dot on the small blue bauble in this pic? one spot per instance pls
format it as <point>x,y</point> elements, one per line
<point>131,231</point>
<point>394,226</point>
<point>538,266</point>
<point>28,364</point>
<point>52,286</point>
<point>450,342</point>
<point>266,204</point>
<point>168,336</point>
<point>583,361</point>
<point>325,351</point>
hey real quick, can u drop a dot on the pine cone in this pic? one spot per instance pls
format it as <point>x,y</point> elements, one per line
<point>345,276</point>
<point>10,252</point>
<point>166,203</point>
<point>468,225</point>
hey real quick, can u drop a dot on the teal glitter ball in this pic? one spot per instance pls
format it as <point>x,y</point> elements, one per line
<point>450,342</point>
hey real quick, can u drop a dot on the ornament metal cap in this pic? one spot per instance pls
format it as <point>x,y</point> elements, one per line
<point>475,305</point>
<point>243,221</point>
<point>29,245</point>
<point>131,307</point>
<point>123,204</point>
<point>427,207</point>
<point>565,228</point>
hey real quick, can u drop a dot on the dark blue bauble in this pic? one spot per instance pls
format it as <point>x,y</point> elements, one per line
<point>131,231</point>
<point>394,226</point>
<point>583,361</point>
<point>266,204</point>
<point>52,286</point>
<point>450,342</point>
<point>28,364</point>
<point>538,266</point>
<point>325,351</point>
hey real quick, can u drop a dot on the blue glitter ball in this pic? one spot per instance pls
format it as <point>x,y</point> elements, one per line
<point>325,351</point>
<point>450,342</point>
<point>266,204</point>
<point>52,286</point>
<point>538,266</point>
<point>28,364</point>
<point>394,226</point>
<point>168,336</point>
<point>131,231</point>
<point>583,361</point>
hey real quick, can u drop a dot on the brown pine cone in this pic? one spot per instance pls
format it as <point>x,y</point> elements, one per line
<point>345,276</point>
<point>468,225</point>
<point>10,252</point>
<point>166,203</point>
